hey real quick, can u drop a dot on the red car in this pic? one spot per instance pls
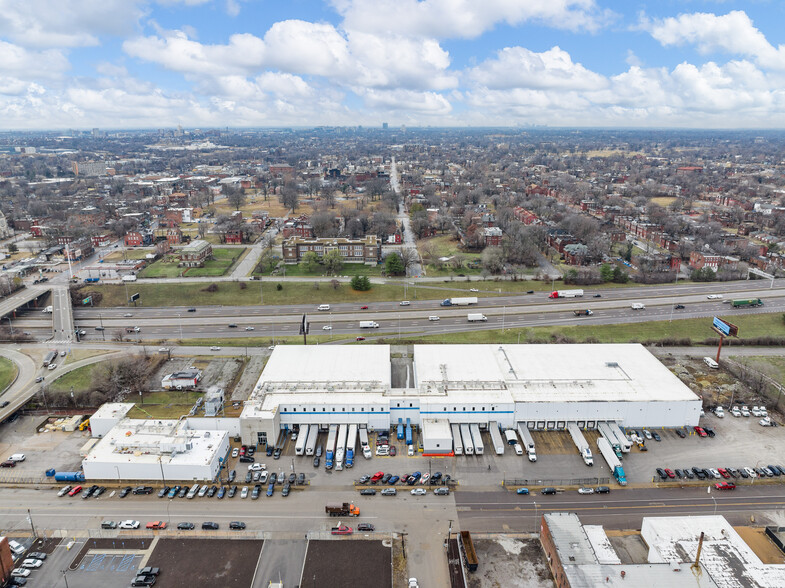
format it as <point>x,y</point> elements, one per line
<point>377,476</point>
<point>363,308</point>
<point>670,473</point>
<point>243,450</point>
<point>360,339</point>
<point>75,490</point>
<point>156,525</point>
<point>700,431</point>
<point>723,472</point>
<point>725,486</point>
<point>341,530</point>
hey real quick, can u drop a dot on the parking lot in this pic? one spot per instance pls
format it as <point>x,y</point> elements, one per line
<point>348,563</point>
<point>42,451</point>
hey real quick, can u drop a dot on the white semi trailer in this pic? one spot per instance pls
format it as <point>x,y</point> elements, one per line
<point>580,443</point>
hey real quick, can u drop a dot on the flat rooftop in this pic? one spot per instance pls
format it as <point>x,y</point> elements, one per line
<point>146,442</point>
<point>548,373</point>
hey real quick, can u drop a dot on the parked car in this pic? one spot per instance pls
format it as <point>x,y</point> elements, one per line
<point>602,490</point>
<point>725,486</point>
<point>108,525</point>
<point>661,473</point>
<point>257,490</point>
<point>548,491</point>
<point>270,490</point>
<point>64,490</point>
<point>244,492</point>
<point>389,492</point>
<point>185,526</point>
<point>681,433</point>
<point>209,526</point>
<point>585,490</point>
<point>419,491</point>
<point>368,492</point>
<point>31,563</point>
<point>656,436</point>
<point>129,524</point>
<point>237,525</point>
<point>286,489</point>
<point>443,491</point>
<point>125,492</point>
<point>156,525</point>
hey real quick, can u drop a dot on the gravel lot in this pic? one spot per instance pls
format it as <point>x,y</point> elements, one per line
<point>347,563</point>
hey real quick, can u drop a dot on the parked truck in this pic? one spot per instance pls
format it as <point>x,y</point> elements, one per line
<point>496,437</point>
<point>468,446</point>
<point>342,509</point>
<point>469,555</point>
<point>566,294</point>
<point>459,301</point>
<point>329,450</point>
<point>511,437</point>
<point>528,442</point>
<point>580,443</point>
<point>408,432</point>
<point>69,477</point>
<point>624,441</point>
<point>91,280</point>
<point>310,444</point>
<point>747,303</point>
<point>457,442</point>
<point>369,325</point>
<point>474,317</point>
<point>613,462</point>
<point>479,447</point>
<point>606,432</point>
<point>351,445</point>
<point>582,312</point>
<point>340,446</point>
<point>400,429</point>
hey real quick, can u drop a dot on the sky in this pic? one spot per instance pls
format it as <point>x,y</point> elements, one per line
<point>270,63</point>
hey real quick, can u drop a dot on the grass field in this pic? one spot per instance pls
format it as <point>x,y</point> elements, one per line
<point>664,201</point>
<point>349,269</point>
<point>80,378</point>
<point>166,404</point>
<point>223,259</point>
<point>447,246</point>
<point>758,325</point>
<point>80,354</point>
<point>773,367</point>
<point>8,373</point>
<point>129,254</point>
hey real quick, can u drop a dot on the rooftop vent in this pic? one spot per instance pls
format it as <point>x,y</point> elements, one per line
<point>611,364</point>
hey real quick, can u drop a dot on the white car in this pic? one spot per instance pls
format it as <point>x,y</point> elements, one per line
<point>425,478</point>
<point>751,473</point>
<point>473,290</point>
<point>128,315</point>
<point>202,490</point>
<point>64,490</point>
<point>745,411</point>
<point>585,490</point>
<point>518,449</point>
<point>715,473</point>
<point>410,451</point>
<point>736,411</point>
<point>215,348</point>
<point>51,366</point>
<point>235,452</point>
<point>419,492</point>
<point>719,412</point>
<point>327,328</point>
<point>20,573</point>
<point>249,328</point>
<point>263,478</point>
<point>714,296</point>
<point>413,583</point>
<point>32,563</point>
<point>129,524</point>
<point>647,434</point>
<point>433,318</point>
<point>244,492</point>
<point>765,422</point>
<point>256,467</point>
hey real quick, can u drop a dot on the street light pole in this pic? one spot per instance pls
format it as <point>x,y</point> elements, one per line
<point>180,320</point>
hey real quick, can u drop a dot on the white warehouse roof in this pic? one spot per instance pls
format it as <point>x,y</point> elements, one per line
<point>328,363</point>
<point>552,373</point>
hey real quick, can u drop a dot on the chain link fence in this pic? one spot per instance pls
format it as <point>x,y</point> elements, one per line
<point>557,482</point>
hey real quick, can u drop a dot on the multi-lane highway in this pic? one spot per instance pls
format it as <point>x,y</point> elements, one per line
<point>502,311</point>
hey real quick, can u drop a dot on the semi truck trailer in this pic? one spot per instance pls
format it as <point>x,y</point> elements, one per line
<point>580,443</point>
<point>474,317</point>
<point>566,294</point>
<point>459,301</point>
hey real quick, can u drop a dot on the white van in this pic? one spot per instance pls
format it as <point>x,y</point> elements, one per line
<point>518,449</point>
<point>192,492</point>
<point>17,457</point>
<point>324,307</point>
<point>638,306</point>
<point>711,363</point>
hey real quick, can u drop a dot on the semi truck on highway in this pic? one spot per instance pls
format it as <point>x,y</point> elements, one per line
<point>459,301</point>
<point>580,443</point>
<point>582,312</point>
<point>50,357</point>
<point>566,294</point>
<point>474,317</point>
<point>342,509</point>
<point>369,325</point>
<point>747,303</point>
<point>613,462</point>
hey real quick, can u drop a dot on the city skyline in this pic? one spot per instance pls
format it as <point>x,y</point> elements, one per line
<point>247,63</point>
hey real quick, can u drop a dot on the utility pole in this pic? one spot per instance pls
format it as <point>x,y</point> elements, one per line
<point>32,526</point>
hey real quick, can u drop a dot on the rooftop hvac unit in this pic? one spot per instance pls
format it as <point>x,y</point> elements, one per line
<point>611,364</point>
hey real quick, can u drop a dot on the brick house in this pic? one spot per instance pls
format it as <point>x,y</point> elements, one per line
<point>195,254</point>
<point>101,240</point>
<point>298,227</point>
<point>367,250</point>
<point>79,249</point>
<point>576,254</point>
<point>171,234</point>
<point>493,236</point>
<point>234,237</point>
<point>699,260</point>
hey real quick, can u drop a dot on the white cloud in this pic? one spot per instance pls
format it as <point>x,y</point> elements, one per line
<point>731,33</point>
<point>27,64</point>
<point>302,47</point>
<point>466,18</point>
<point>429,103</point>
<point>518,67</point>
<point>175,51</point>
<point>66,23</point>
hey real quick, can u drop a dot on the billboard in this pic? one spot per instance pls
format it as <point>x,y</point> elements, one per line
<point>134,297</point>
<point>725,328</point>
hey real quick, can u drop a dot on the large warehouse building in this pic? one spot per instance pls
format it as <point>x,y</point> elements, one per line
<point>543,387</point>
<point>135,449</point>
